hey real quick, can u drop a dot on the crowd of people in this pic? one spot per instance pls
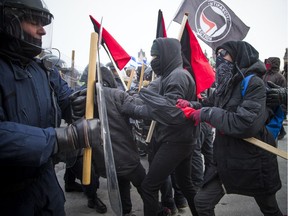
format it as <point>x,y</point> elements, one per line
<point>197,152</point>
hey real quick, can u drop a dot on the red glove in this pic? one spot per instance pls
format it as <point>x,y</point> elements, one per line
<point>187,111</point>
<point>181,103</point>
<point>196,117</point>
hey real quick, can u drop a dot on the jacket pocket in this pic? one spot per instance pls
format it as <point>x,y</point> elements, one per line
<point>245,173</point>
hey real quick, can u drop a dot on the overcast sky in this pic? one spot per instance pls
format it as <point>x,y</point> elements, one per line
<point>133,24</point>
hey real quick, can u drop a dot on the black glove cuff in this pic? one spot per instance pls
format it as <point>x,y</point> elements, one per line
<point>206,113</point>
<point>195,105</point>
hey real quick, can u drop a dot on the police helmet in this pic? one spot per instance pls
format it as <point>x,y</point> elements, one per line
<point>14,12</point>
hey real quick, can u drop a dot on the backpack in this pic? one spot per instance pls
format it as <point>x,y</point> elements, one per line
<point>275,123</point>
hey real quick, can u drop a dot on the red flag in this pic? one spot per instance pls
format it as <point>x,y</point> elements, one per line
<point>119,55</point>
<point>161,30</point>
<point>194,58</point>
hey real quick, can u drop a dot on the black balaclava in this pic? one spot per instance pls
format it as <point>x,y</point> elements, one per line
<point>155,63</point>
<point>243,56</point>
<point>168,56</point>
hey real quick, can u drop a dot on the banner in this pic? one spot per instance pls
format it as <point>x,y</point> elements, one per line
<point>212,21</point>
<point>119,55</point>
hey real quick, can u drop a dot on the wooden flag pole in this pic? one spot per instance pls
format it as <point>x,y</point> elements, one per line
<point>141,77</point>
<point>89,112</point>
<point>72,84</point>
<point>153,123</point>
<point>184,20</point>
<point>267,147</point>
<point>130,79</point>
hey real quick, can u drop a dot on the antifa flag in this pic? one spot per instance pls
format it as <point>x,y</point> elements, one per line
<point>119,55</point>
<point>213,21</point>
<point>195,61</point>
<point>161,30</point>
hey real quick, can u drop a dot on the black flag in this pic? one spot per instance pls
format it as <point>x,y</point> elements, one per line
<point>212,21</point>
<point>161,30</point>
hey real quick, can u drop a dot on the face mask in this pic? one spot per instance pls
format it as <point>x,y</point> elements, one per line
<point>155,65</point>
<point>224,73</point>
<point>268,66</point>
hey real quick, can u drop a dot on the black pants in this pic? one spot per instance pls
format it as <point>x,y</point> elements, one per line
<point>76,171</point>
<point>168,157</point>
<point>135,177</point>
<point>204,146</point>
<point>212,192</point>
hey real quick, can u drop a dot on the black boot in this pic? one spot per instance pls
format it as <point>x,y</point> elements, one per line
<point>97,204</point>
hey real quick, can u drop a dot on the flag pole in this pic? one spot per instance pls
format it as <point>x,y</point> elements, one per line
<point>130,79</point>
<point>115,66</point>
<point>182,27</point>
<point>267,147</point>
<point>141,77</point>
<point>153,123</point>
<point>175,14</point>
<point>89,112</point>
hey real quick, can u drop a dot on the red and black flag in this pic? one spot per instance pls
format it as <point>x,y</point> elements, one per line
<point>161,30</point>
<point>119,55</point>
<point>213,21</point>
<point>195,61</point>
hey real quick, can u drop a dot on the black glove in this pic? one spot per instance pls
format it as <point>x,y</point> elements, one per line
<point>276,95</point>
<point>128,106</point>
<point>80,134</point>
<point>78,104</point>
<point>195,104</point>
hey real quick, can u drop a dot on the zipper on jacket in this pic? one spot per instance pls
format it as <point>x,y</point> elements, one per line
<point>53,99</point>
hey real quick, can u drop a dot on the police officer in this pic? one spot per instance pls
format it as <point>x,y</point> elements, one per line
<point>33,100</point>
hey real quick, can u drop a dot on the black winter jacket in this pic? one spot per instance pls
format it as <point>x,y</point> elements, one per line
<point>175,82</point>
<point>243,167</point>
<point>125,152</point>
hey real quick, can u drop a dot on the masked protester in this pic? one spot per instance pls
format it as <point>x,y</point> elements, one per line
<point>126,156</point>
<point>239,167</point>
<point>174,138</point>
<point>33,100</point>
<point>274,75</point>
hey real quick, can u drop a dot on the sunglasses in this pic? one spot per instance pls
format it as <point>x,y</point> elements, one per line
<point>222,53</point>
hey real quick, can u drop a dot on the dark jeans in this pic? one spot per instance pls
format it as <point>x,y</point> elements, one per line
<point>197,172</point>
<point>136,177</point>
<point>168,157</point>
<point>212,192</point>
<point>167,194</point>
<point>179,197</point>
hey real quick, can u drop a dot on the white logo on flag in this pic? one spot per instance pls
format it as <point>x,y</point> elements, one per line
<point>212,21</point>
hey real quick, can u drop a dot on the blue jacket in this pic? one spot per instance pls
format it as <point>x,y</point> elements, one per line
<point>32,103</point>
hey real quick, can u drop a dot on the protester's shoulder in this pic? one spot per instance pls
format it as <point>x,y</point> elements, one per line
<point>115,93</point>
<point>255,84</point>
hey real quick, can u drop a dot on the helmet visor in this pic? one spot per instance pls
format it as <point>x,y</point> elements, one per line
<point>14,18</point>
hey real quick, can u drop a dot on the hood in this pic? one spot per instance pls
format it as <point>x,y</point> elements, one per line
<point>246,60</point>
<point>275,64</point>
<point>169,54</point>
<point>107,77</point>
<point>243,54</point>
